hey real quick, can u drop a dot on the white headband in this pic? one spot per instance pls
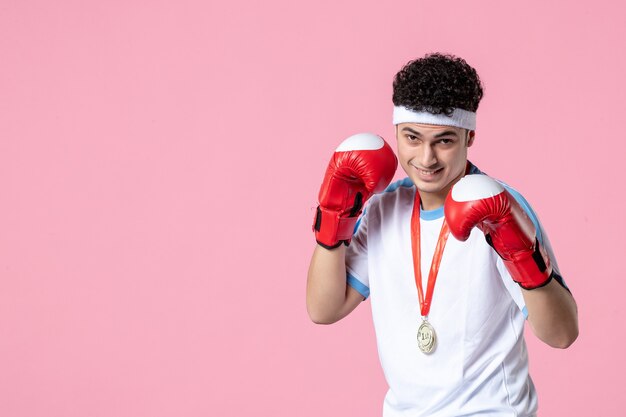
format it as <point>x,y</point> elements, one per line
<point>459,118</point>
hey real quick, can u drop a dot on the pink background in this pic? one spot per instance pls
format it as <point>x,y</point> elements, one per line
<point>159,167</point>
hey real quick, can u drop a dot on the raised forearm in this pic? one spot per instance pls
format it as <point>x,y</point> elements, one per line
<point>552,314</point>
<point>328,297</point>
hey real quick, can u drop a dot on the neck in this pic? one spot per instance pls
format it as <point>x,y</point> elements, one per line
<point>431,202</point>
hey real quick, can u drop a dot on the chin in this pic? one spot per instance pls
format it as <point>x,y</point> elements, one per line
<point>427,185</point>
<point>437,187</point>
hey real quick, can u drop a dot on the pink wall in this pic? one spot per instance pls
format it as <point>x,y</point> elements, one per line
<point>159,166</point>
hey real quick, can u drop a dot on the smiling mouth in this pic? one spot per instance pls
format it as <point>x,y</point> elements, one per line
<point>427,171</point>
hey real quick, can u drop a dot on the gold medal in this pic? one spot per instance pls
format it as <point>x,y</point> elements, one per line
<point>426,338</point>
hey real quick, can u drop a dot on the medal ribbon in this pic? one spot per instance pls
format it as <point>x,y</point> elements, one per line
<point>434,266</point>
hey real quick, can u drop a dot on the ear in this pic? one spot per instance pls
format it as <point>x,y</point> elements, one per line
<point>471,134</point>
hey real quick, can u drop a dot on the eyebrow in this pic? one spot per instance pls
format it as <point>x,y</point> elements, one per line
<point>438,135</point>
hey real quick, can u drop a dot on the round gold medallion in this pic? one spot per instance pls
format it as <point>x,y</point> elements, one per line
<point>426,338</point>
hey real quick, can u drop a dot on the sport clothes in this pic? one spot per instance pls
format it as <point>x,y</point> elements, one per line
<point>480,363</point>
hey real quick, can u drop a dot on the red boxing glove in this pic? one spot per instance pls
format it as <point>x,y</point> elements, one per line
<point>362,165</point>
<point>478,200</point>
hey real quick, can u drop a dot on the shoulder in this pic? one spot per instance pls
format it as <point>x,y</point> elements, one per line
<point>393,201</point>
<point>398,191</point>
<point>400,184</point>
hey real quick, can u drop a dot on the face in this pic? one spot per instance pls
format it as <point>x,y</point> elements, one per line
<point>434,157</point>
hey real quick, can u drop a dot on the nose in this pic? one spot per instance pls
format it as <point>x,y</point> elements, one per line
<point>428,157</point>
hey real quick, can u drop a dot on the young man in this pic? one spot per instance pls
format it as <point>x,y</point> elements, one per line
<point>453,261</point>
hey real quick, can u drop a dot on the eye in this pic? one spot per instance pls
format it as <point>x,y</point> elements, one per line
<point>446,141</point>
<point>411,138</point>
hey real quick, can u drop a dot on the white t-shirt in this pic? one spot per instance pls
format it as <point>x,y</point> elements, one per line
<point>480,364</point>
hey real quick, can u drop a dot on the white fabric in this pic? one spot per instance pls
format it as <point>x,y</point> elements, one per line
<point>480,365</point>
<point>459,118</point>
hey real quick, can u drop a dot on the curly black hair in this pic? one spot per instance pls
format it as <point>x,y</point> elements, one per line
<point>437,83</point>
